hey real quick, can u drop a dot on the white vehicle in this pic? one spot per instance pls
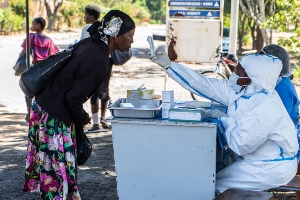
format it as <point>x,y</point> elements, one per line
<point>225,40</point>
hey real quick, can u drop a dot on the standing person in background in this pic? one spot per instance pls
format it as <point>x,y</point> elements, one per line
<point>58,114</point>
<point>91,14</point>
<point>41,47</point>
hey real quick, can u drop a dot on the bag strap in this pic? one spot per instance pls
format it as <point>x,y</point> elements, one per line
<point>72,47</point>
<point>32,46</point>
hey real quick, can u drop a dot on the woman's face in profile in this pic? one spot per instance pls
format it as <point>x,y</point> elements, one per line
<point>124,41</point>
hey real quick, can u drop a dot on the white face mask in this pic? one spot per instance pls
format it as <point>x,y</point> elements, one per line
<point>233,82</point>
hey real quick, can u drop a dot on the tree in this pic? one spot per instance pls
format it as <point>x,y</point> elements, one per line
<point>52,15</point>
<point>256,9</point>
<point>157,9</point>
<point>242,30</point>
<point>287,18</point>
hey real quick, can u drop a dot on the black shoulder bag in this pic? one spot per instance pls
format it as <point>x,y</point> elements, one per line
<point>20,65</point>
<point>41,74</point>
<point>84,147</point>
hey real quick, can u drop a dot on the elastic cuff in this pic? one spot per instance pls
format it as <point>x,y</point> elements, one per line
<point>167,66</point>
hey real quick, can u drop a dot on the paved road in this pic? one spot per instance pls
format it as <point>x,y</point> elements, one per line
<point>11,96</point>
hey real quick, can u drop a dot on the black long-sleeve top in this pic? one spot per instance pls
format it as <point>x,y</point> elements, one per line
<point>64,97</point>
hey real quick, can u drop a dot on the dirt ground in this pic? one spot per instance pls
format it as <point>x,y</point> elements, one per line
<point>97,179</point>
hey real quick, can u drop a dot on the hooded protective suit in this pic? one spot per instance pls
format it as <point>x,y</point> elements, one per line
<point>258,127</point>
<point>285,87</point>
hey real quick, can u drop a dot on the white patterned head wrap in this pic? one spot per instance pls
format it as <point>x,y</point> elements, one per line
<point>113,24</point>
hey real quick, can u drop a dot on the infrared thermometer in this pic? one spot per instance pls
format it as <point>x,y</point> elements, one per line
<point>151,43</point>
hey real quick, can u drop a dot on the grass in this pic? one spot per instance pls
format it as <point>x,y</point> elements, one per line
<point>296,70</point>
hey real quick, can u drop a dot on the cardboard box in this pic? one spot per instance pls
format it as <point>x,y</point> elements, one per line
<point>186,115</point>
<point>143,93</point>
<point>167,105</point>
<point>146,93</point>
<point>165,113</point>
<point>168,96</point>
<point>133,94</point>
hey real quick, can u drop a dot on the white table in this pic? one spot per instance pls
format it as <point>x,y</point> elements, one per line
<point>163,160</point>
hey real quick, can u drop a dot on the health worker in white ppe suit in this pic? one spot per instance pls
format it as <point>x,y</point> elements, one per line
<point>258,127</point>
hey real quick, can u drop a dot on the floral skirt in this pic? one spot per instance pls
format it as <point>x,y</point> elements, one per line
<point>51,167</point>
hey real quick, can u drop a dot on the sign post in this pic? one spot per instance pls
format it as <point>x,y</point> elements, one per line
<point>194,29</point>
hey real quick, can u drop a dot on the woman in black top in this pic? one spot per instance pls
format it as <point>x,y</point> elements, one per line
<point>51,167</point>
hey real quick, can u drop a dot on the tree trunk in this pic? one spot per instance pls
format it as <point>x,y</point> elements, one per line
<point>51,24</point>
<point>241,30</point>
<point>265,36</point>
<point>252,29</point>
<point>52,16</point>
<point>259,39</point>
<point>256,10</point>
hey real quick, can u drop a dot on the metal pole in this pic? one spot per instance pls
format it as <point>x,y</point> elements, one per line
<point>234,15</point>
<point>27,57</point>
<point>27,36</point>
<point>166,45</point>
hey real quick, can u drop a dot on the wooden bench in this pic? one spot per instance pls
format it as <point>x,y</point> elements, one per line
<point>293,185</point>
<point>239,194</point>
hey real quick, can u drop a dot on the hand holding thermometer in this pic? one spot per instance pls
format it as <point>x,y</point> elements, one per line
<point>151,43</point>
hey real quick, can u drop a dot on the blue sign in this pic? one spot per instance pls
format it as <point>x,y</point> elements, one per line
<point>195,13</point>
<point>191,3</point>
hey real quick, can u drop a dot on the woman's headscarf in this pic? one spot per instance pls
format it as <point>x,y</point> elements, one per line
<point>263,70</point>
<point>114,23</point>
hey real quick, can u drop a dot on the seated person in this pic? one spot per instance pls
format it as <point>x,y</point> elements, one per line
<point>257,128</point>
<point>284,86</point>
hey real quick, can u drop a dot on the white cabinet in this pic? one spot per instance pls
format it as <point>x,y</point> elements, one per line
<point>164,160</point>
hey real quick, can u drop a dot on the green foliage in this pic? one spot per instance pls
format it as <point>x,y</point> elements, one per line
<point>246,40</point>
<point>153,21</point>
<point>288,15</point>
<point>18,7</point>
<point>296,71</point>
<point>135,10</point>
<point>10,22</point>
<point>157,9</point>
<point>72,14</point>
<point>226,20</point>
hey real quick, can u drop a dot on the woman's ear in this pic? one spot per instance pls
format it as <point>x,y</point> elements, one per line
<point>117,38</point>
<point>38,26</point>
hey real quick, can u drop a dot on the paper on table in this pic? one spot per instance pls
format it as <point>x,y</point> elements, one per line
<point>126,105</point>
<point>185,116</point>
<point>198,104</point>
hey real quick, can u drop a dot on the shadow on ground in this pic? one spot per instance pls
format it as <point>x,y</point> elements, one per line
<point>97,179</point>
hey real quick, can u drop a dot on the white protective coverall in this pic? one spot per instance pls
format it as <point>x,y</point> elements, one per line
<point>258,127</point>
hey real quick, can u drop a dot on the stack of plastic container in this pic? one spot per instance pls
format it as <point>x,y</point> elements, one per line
<point>167,103</point>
